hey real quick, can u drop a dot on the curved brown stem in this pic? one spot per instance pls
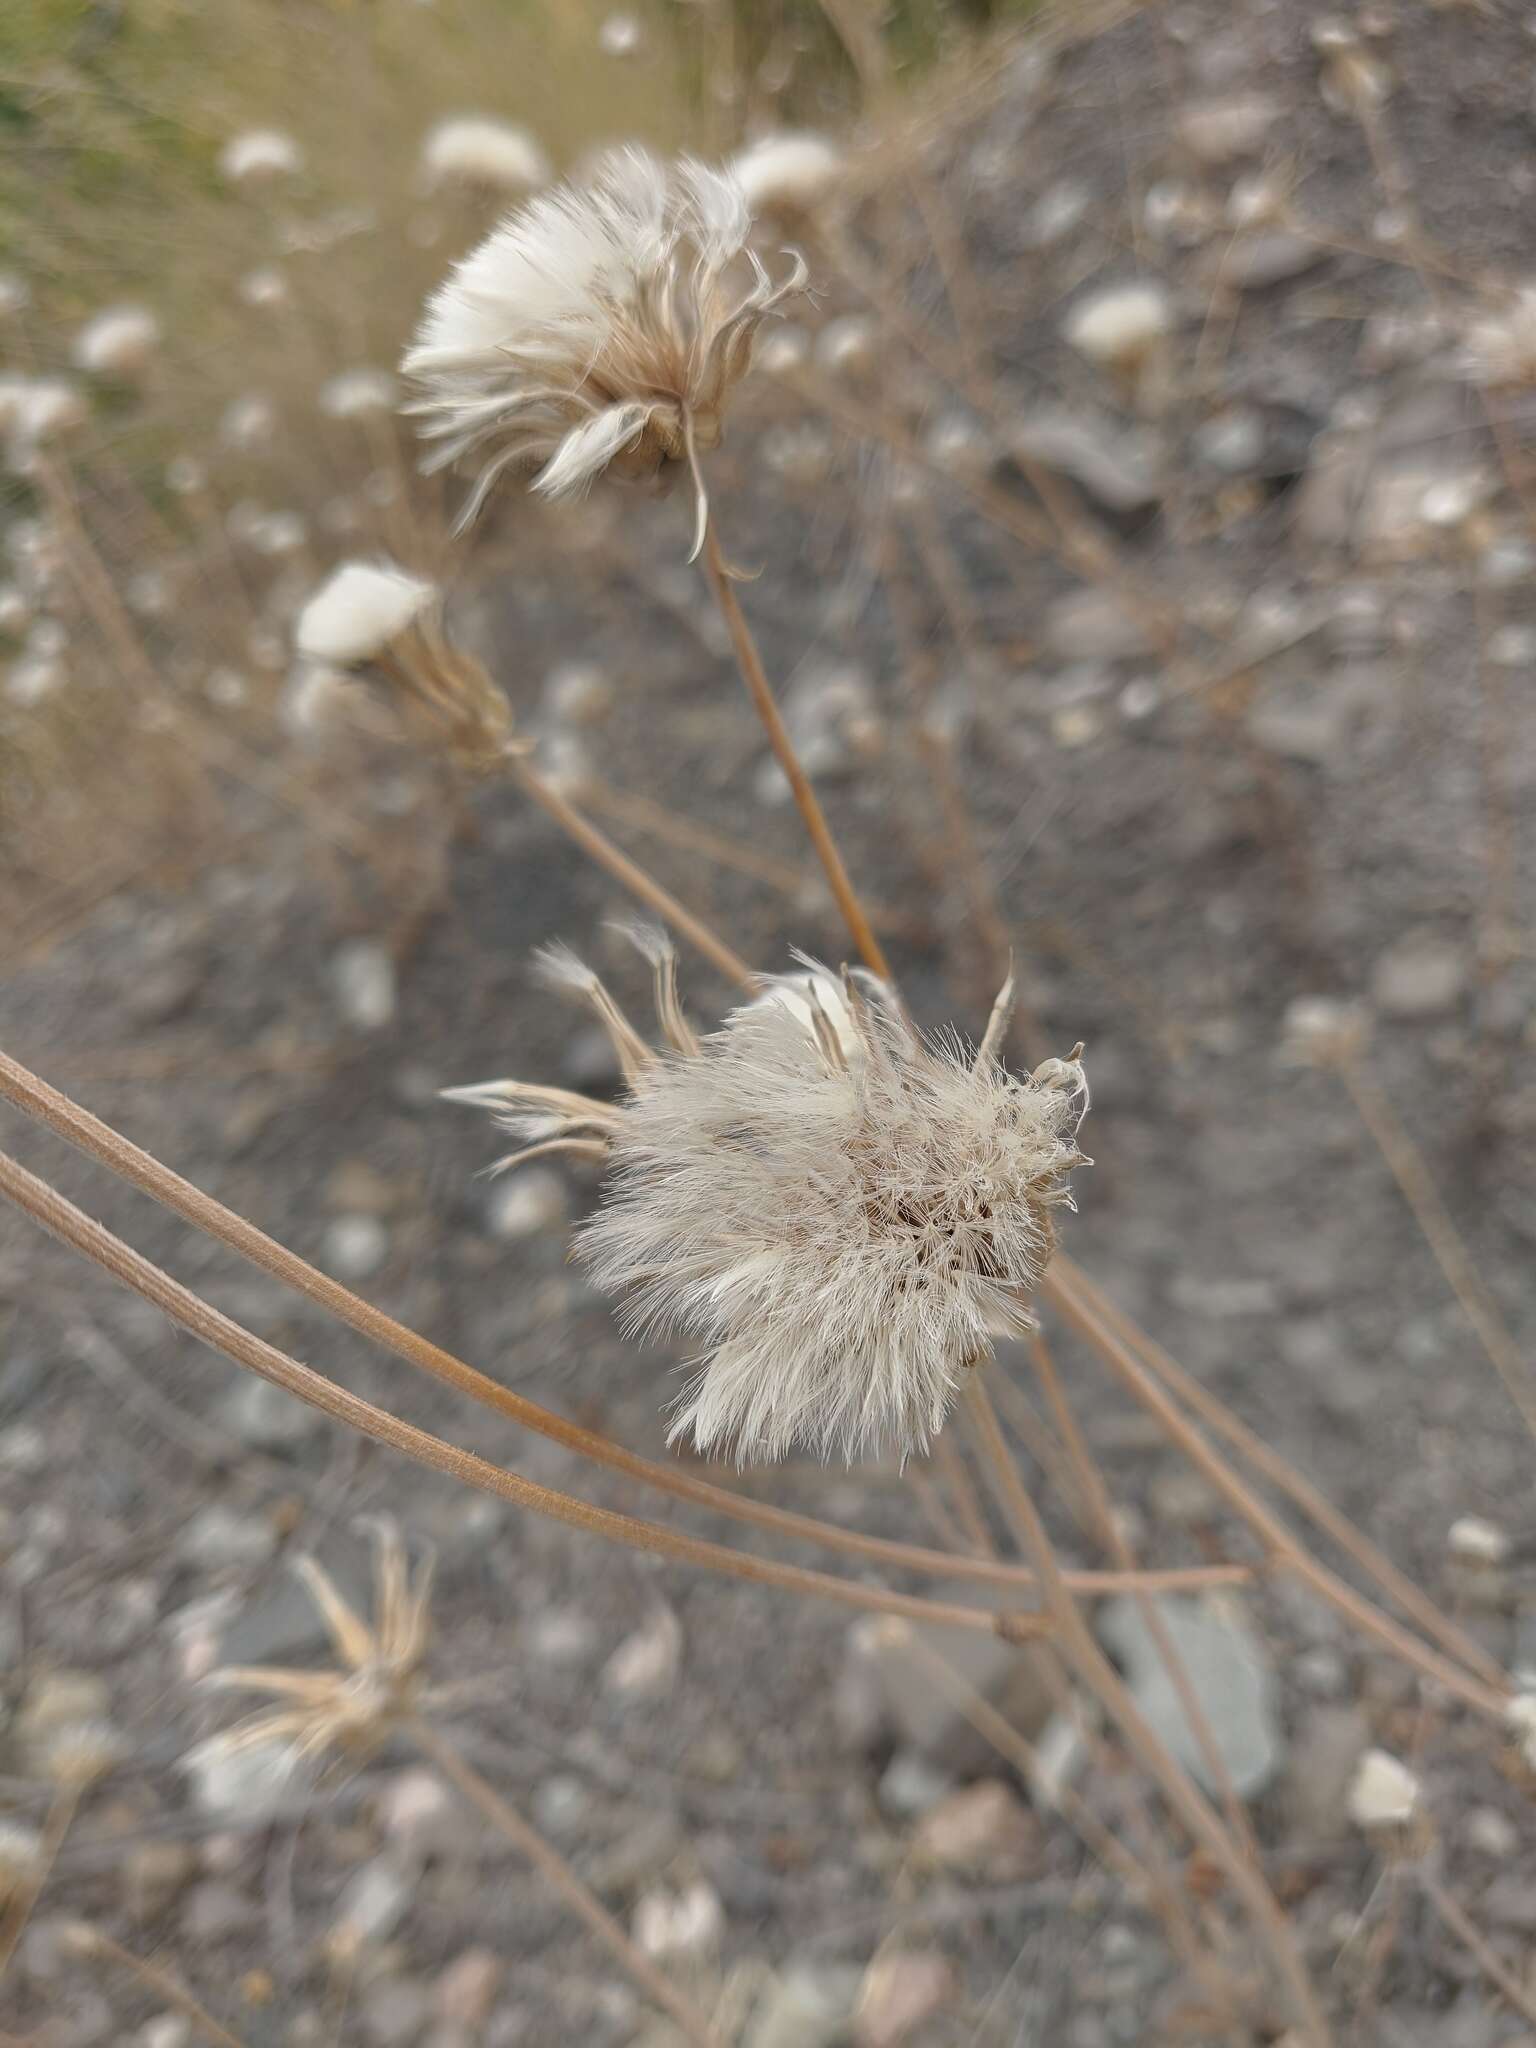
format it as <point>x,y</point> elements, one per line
<point>221,1333</point>
<point>28,1092</point>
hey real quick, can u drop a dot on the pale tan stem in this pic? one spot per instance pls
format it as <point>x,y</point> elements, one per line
<point>1159,1892</point>
<point>600,848</point>
<point>749,661</point>
<point>1319,1509</point>
<point>1077,1645</point>
<point>1456,1918</point>
<point>91,1941</point>
<point>13,1924</point>
<point>49,1209</point>
<point>1416,1184</point>
<point>559,1875</point>
<point>1283,1547</point>
<point>1112,1536</point>
<point>142,1170</point>
<point>950,1461</point>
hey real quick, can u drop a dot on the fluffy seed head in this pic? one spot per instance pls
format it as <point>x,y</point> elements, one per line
<point>841,1210</point>
<point>474,149</point>
<point>260,154</point>
<point>789,174</point>
<point>358,611</point>
<point>117,343</point>
<point>1471,1540</point>
<point>600,328</point>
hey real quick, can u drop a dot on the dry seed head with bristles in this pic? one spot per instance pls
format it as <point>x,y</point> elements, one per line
<point>599,330</point>
<point>375,615</point>
<point>352,1709</point>
<point>843,1211</point>
<point>477,150</point>
<point>788,174</point>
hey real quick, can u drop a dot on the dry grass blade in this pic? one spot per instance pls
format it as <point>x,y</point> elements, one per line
<point>169,1989</point>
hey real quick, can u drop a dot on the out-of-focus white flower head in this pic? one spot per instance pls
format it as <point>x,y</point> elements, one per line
<point>475,149</point>
<point>791,173</point>
<point>621,36</point>
<point>248,423</point>
<point>119,342</point>
<point>1383,1793</point>
<point>358,611</point>
<point>1118,325</point>
<point>36,411</point>
<point>599,329</point>
<point>15,294</point>
<point>353,394</point>
<point>258,155</point>
<point>265,288</point>
<point>842,1211</point>
<point>1474,1541</point>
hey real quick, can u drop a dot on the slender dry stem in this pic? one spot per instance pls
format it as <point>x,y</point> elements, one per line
<point>61,1814</point>
<point>1112,1536</point>
<point>90,1941</point>
<point>1375,1563</point>
<point>142,1170</point>
<point>1416,1184</point>
<point>1284,1548</point>
<point>807,802</point>
<point>600,848</point>
<point>1078,1646</point>
<point>559,1875</point>
<point>221,1333</point>
<point>1477,1945</point>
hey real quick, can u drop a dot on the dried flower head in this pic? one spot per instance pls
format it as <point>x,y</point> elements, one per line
<point>351,1709</point>
<point>842,1210</point>
<point>599,329</point>
<point>119,342</point>
<point>1120,326</point>
<point>788,174</point>
<point>1384,1796</point>
<point>354,394</point>
<point>258,155</point>
<point>474,149</point>
<point>1471,1540</point>
<point>374,614</point>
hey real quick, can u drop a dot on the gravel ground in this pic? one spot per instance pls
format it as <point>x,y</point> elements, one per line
<point>1293,804</point>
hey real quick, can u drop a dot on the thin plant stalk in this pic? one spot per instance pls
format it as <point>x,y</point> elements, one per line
<point>950,1461</point>
<point>1284,1548</point>
<point>61,1815</point>
<point>1319,1509</point>
<point>1476,1943</point>
<point>1077,1645</point>
<point>1416,1184</point>
<point>90,1941</point>
<point>749,661</point>
<point>221,1333</point>
<point>1161,1893</point>
<point>559,1875</point>
<point>1112,1536</point>
<point>143,1171</point>
<point>600,848</point>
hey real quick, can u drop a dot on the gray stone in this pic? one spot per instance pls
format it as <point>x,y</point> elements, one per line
<point>1114,466</point>
<point>1231,441</point>
<point>363,978</point>
<point>217,1539</point>
<point>266,1417</point>
<point>1251,262</point>
<point>214,1911</point>
<point>395,2013</point>
<point>1220,130</point>
<point>374,1901</point>
<point>1421,976</point>
<point>1229,1670</point>
<point>354,1247</point>
<point>910,1785</point>
<point>1093,624</point>
<point>1328,1745</point>
<point>922,1713</point>
<point>809,2006</point>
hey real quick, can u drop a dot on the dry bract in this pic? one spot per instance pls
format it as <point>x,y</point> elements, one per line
<point>353,1708</point>
<point>598,330</point>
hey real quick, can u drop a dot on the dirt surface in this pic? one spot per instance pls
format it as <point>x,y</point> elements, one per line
<point>1182,844</point>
